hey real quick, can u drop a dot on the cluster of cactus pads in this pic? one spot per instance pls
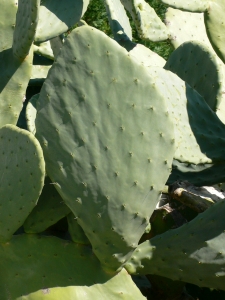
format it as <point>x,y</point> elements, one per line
<point>107,123</point>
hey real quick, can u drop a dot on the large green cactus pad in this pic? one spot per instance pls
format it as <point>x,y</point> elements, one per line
<point>23,170</point>
<point>215,26</point>
<point>30,262</point>
<point>107,140</point>
<point>26,24</point>
<point>119,287</point>
<point>57,17</point>
<point>49,210</point>
<point>197,245</point>
<point>197,65</point>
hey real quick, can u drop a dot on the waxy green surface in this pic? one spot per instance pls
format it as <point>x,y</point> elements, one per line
<point>105,141</point>
<point>22,179</point>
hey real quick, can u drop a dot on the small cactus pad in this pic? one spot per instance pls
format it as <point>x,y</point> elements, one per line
<point>23,170</point>
<point>38,75</point>
<point>118,19</point>
<point>49,210</point>
<point>44,262</point>
<point>190,5</point>
<point>107,140</point>
<point>121,286</point>
<point>197,245</point>
<point>31,112</point>
<point>14,74</point>
<point>26,23</point>
<point>148,24</point>
<point>196,64</point>
<point>185,26</point>
<point>56,17</point>
<point>215,26</point>
<point>44,49</point>
<point>76,232</point>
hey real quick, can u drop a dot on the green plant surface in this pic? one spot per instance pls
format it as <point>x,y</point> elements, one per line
<point>32,262</point>
<point>56,17</point>
<point>197,245</point>
<point>197,65</point>
<point>98,140</point>
<point>49,210</point>
<point>25,28</point>
<point>22,179</point>
<point>119,287</point>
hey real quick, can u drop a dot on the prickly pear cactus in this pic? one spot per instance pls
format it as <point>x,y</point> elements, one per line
<point>102,141</point>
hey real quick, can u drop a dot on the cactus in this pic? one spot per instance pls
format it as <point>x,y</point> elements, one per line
<point>149,25</point>
<point>119,286</point>
<point>19,148</point>
<point>15,73</point>
<point>44,49</point>
<point>101,193</point>
<point>56,18</point>
<point>25,28</point>
<point>197,245</point>
<point>114,124</point>
<point>197,65</point>
<point>49,209</point>
<point>44,262</point>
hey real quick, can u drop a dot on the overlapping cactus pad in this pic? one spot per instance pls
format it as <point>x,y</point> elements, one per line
<point>119,287</point>
<point>30,262</point>
<point>23,171</point>
<point>197,245</point>
<point>107,140</point>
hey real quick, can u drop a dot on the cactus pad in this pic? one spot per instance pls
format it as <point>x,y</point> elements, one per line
<point>119,287</point>
<point>118,19</point>
<point>23,171</point>
<point>148,24</point>
<point>197,65</point>
<point>43,262</point>
<point>56,17</point>
<point>26,23</point>
<point>105,140</point>
<point>191,5</point>
<point>215,26</point>
<point>48,211</point>
<point>197,245</point>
